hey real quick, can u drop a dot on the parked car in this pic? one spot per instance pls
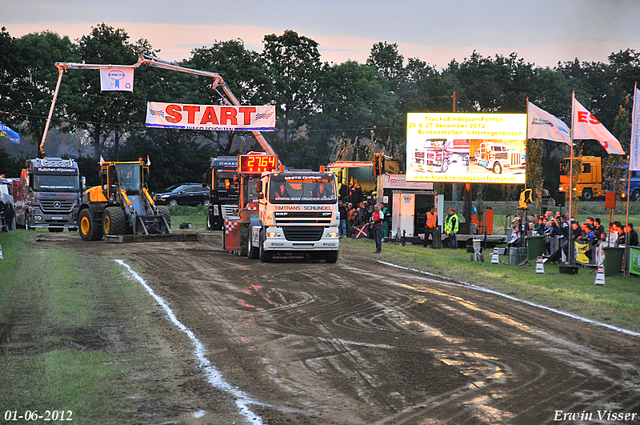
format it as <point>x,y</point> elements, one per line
<point>184,194</point>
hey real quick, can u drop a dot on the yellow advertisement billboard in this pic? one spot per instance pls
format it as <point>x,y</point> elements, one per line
<point>466,147</point>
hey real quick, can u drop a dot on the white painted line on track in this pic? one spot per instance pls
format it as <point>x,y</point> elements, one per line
<point>214,377</point>
<point>452,282</point>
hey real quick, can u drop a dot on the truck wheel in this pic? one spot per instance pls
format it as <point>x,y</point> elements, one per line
<point>113,222</point>
<point>164,211</point>
<point>173,203</point>
<point>331,257</point>
<point>497,168</point>
<point>635,195</point>
<point>587,194</point>
<point>265,256</point>
<point>89,231</point>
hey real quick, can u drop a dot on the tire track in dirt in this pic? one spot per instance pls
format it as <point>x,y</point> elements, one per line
<point>359,342</point>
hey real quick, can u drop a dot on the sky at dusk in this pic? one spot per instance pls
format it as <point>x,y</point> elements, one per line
<point>542,32</point>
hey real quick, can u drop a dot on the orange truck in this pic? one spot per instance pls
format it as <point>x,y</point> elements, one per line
<point>589,183</point>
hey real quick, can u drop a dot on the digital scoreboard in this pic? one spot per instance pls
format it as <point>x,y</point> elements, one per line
<point>257,164</point>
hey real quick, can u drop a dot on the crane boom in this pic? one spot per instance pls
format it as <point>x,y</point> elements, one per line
<point>218,81</point>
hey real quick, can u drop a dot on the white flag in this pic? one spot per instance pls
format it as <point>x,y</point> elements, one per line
<point>543,125</point>
<point>634,157</point>
<point>587,126</point>
<point>116,79</point>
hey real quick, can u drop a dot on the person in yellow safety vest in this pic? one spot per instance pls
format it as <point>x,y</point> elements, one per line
<point>451,225</point>
<point>430,226</point>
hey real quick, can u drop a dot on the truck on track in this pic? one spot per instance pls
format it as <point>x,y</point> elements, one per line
<point>48,194</point>
<point>121,205</point>
<point>284,212</point>
<point>223,196</point>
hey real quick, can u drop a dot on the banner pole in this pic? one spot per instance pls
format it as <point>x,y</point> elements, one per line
<point>571,243</point>
<point>627,236</point>
<point>633,129</point>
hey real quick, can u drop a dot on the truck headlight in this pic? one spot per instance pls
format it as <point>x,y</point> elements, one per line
<point>332,235</point>
<point>273,235</point>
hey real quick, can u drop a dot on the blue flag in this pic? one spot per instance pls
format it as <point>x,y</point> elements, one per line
<point>9,134</point>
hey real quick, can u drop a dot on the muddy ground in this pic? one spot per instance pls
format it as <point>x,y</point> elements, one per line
<point>362,342</point>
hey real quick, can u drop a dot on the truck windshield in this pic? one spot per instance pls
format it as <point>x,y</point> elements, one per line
<point>56,182</point>
<point>129,176</point>
<point>225,180</point>
<point>302,189</point>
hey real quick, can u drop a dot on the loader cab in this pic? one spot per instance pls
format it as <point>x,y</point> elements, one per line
<point>122,175</point>
<point>130,177</point>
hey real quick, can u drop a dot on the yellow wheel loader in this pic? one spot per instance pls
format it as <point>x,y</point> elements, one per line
<point>121,205</point>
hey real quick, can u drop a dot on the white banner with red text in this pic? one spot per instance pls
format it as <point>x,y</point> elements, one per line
<point>211,117</point>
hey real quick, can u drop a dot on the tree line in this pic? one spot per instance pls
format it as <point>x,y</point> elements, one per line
<point>325,111</point>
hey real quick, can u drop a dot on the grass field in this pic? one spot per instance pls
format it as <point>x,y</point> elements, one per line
<point>74,333</point>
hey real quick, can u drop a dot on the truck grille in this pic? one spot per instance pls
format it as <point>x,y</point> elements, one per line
<point>312,217</point>
<point>305,234</point>
<point>56,206</point>
<point>516,159</point>
<point>229,210</point>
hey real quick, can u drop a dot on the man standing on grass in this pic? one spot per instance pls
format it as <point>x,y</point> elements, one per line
<point>378,219</point>
<point>430,226</point>
<point>451,224</point>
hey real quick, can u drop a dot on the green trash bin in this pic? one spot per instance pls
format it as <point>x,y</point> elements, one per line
<point>613,260</point>
<point>535,246</point>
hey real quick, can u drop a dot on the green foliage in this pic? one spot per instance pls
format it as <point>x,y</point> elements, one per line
<point>535,177</point>
<point>324,110</point>
<point>10,166</point>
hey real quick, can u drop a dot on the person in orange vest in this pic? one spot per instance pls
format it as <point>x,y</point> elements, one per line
<point>430,226</point>
<point>378,219</point>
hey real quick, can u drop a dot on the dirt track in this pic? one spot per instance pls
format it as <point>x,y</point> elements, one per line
<point>361,342</point>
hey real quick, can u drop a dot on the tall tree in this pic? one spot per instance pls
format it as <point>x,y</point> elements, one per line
<point>293,63</point>
<point>497,84</point>
<point>28,78</point>
<point>354,105</point>
<point>243,71</point>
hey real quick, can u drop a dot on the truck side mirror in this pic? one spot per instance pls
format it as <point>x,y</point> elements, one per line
<point>84,183</point>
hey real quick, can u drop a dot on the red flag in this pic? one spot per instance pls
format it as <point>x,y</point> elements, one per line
<point>587,126</point>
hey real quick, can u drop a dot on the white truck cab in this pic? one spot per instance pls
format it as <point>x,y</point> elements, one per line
<point>298,213</point>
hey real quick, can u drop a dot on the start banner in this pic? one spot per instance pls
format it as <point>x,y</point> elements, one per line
<point>211,117</point>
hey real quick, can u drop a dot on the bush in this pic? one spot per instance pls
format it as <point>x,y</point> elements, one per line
<point>184,210</point>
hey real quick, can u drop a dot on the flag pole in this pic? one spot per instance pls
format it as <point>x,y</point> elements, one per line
<point>627,236</point>
<point>571,243</point>
<point>633,129</point>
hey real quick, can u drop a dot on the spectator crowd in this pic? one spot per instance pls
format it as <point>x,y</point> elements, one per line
<point>588,237</point>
